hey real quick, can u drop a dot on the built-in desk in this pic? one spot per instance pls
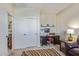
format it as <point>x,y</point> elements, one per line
<point>54,39</point>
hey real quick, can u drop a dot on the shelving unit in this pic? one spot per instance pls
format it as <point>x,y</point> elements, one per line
<point>9,31</point>
<point>47,25</point>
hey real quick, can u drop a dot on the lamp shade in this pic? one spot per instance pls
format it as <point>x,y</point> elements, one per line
<point>70,31</point>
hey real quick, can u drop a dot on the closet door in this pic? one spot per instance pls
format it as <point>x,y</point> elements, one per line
<point>25,32</point>
<point>3,46</point>
<point>3,33</point>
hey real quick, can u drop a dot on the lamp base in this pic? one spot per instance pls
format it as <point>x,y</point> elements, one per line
<point>70,38</point>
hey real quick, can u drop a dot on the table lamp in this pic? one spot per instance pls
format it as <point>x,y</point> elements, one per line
<point>70,32</point>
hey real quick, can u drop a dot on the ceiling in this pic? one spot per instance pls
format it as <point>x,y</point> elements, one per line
<point>51,7</point>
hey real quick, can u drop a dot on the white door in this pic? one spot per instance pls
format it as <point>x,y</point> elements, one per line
<point>3,33</point>
<point>26,32</point>
<point>3,46</point>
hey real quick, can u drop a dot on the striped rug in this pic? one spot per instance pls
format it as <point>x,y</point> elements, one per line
<point>41,52</point>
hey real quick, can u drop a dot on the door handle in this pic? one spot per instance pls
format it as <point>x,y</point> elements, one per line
<point>25,34</point>
<point>6,36</point>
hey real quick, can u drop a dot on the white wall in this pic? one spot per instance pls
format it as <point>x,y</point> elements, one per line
<point>48,18</point>
<point>7,7</point>
<point>22,11</point>
<point>68,18</point>
<point>45,16</point>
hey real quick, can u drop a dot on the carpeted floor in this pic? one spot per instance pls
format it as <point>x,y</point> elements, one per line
<point>44,51</point>
<point>41,52</point>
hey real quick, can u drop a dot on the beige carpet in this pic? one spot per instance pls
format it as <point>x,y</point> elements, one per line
<point>41,52</point>
<point>35,52</point>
